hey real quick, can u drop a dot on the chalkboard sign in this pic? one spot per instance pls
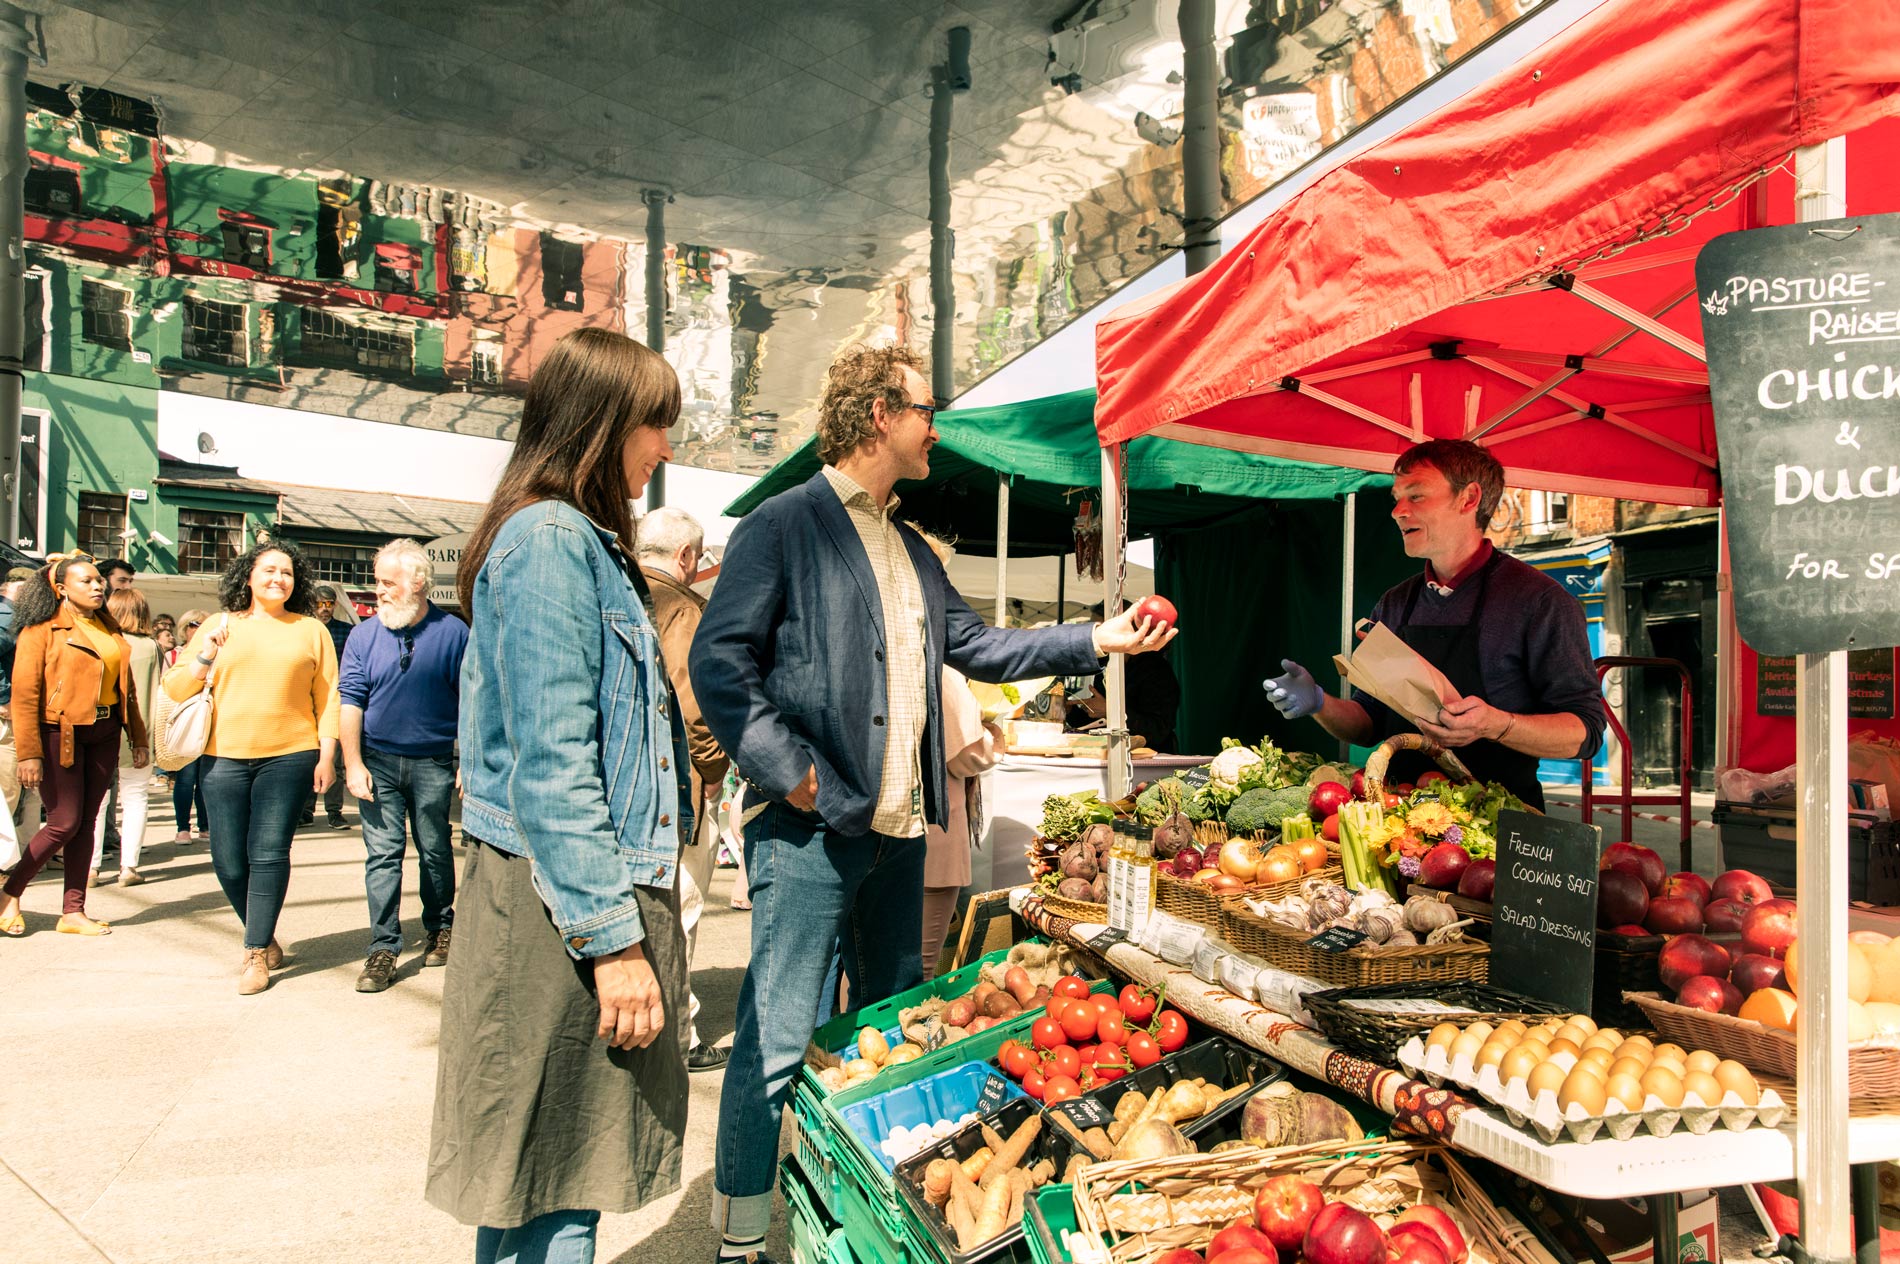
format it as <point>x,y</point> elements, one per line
<point>1800,324</point>
<point>995,1089</point>
<point>1337,939</point>
<point>1107,939</point>
<point>1086,1113</point>
<point>1544,908</point>
<point>1196,777</point>
<point>1870,691</point>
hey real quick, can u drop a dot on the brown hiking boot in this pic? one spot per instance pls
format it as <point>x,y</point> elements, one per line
<point>437,953</point>
<point>256,976</point>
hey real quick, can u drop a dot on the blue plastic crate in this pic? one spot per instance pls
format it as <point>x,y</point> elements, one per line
<point>946,1095</point>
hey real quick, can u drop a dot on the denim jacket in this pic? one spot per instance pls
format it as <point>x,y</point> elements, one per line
<point>571,744</point>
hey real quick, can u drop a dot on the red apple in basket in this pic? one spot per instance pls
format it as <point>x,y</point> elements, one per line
<point>1326,800</point>
<point>1706,992</point>
<point>1635,932</point>
<point>1439,1221</point>
<point>1769,928</point>
<point>1180,1255</point>
<point>1725,916</point>
<point>1246,1255</point>
<point>1284,1208</point>
<point>1413,1243</point>
<point>1752,972</point>
<point>1686,956</point>
<point>1740,884</point>
<point>1342,1235</point>
<point>1443,865</point>
<point>1673,915</point>
<point>1479,880</point>
<point>1688,886</point>
<point>1638,860</point>
<point>1158,608</point>
<point>1240,1236</point>
<point>1622,900</point>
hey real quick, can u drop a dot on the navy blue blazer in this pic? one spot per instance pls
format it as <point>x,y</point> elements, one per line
<point>788,663</point>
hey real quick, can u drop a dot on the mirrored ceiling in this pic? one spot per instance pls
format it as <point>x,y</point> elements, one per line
<point>388,209</point>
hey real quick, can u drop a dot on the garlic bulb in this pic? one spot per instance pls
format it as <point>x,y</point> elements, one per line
<point>1328,901</point>
<point>1402,939</point>
<point>1423,914</point>
<point>1380,923</point>
<point>1450,933</point>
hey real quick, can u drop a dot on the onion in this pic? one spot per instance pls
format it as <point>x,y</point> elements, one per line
<point>1238,857</point>
<point>1226,882</point>
<point>1208,875</point>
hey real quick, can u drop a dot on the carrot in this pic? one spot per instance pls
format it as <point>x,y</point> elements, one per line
<point>1013,1151</point>
<point>978,1163</point>
<point>937,1181</point>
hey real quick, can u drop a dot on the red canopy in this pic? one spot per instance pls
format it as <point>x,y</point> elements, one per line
<point>1539,298</point>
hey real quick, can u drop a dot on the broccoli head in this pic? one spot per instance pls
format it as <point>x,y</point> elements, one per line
<point>1249,812</point>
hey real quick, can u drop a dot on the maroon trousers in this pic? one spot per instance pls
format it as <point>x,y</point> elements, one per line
<point>72,797</point>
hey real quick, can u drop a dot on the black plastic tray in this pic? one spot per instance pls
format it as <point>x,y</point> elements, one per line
<point>1051,1143</point>
<point>1217,1060</point>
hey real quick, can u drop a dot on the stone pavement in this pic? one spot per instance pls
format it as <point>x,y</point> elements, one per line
<point>150,1114</point>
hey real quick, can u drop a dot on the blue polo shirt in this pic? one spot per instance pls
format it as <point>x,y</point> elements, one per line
<point>409,710</point>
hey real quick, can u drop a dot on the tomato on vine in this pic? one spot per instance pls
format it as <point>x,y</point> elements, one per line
<point>1111,1029</point>
<point>1142,1049</point>
<point>1171,1031</point>
<point>1047,1033</point>
<point>1078,1021</point>
<point>1033,1084</point>
<point>1061,1088</point>
<point>1138,1003</point>
<point>1074,986</point>
<point>1063,1060</point>
<point>1018,1061</point>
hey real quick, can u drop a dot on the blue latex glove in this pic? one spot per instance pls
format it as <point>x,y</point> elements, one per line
<point>1296,694</point>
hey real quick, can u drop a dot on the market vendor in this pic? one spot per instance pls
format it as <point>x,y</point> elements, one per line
<point>1508,637</point>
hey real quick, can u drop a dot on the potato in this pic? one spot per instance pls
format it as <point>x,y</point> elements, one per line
<point>959,1012</point>
<point>1017,983</point>
<point>872,1046</point>
<point>1001,1005</point>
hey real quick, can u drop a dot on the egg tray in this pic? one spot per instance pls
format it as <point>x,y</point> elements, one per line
<point>1541,1117</point>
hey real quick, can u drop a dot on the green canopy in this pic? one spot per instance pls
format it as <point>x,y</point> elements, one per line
<point>1049,449</point>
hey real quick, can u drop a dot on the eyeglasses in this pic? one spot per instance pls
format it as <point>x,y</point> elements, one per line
<point>408,650</point>
<point>929,411</point>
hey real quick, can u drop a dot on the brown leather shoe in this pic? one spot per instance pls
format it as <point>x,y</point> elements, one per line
<point>256,976</point>
<point>274,955</point>
<point>437,953</point>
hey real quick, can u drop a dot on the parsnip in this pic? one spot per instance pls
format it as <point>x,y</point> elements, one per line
<point>990,1220</point>
<point>978,1163</point>
<point>1076,1163</point>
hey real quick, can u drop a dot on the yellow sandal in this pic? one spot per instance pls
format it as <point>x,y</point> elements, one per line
<point>88,927</point>
<point>13,927</point>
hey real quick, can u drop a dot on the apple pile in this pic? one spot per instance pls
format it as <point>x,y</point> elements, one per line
<point>1770,985</point>
<point>1636,895</point>
<point>1083,1041</point>
<point>1292,1221</point>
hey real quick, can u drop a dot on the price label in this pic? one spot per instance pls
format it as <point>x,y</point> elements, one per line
<point>995,1089</point>
<point>1108,939</point>
<point>1086,1113</point>
<point>1195,778</point>
<point>1337,939</point>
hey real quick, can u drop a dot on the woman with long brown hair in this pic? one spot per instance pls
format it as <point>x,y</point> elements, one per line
<point>74,699</point>
<point>561,1090</point>
<point>133,615</point>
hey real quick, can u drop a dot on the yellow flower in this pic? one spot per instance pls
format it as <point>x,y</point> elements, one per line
<point>1431,819</point>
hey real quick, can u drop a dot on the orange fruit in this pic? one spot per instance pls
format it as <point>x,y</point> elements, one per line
<point>1860,973</point>
<point>1790,970</point>
<point>1771,1007</point>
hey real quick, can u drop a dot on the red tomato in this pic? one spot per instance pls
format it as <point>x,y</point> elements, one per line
<point>1111,1060</point>
<point>1072,985</point>
<point>1048,1033</point>
<point>1079,1021</point>
<point>1103,1002</point>
<point>1063,1060</point>
<point>1392,800</point>
<point>1172,1031</point>
<point>1112,1029</point>
<point>1055,1007</point>
<point>1087,1053</point>
<point>1060,1088</point>
<point>1329,828</point>
<point>1033,1084</point>
<point>1088,1079</point>
<point>1431,775</point>
<point>1143,1050</point>
<point>1019,1062</point>
<point>1138,1003</point>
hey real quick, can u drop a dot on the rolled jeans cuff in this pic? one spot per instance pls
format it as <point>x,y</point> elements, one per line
<point>744,1216</point>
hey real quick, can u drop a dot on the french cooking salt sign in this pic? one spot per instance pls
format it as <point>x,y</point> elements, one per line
<point>1802,328</point>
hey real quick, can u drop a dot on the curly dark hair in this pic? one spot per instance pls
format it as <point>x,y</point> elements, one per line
<point>860,376</point>
<point>38,603</point>
<point>234,590</point>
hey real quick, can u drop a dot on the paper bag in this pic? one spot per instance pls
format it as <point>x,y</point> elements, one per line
<point>1397,675</point>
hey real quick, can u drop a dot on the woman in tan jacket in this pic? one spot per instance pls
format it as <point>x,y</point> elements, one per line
<point>74,700</point>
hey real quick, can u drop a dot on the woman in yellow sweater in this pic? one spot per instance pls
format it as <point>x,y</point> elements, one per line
<point>272,672</point>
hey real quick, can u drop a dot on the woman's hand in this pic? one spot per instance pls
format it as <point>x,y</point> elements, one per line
<point>216,637</point>
<point>631,1015</point>
<point>30,773</point>
<point>141,756</point>
<point>325,776</point>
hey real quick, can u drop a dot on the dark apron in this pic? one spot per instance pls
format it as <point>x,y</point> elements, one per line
<point>1453,649</point>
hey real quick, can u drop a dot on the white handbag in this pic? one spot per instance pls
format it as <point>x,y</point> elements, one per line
<point>181,729</point>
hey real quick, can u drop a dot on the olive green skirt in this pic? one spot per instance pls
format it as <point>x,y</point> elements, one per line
<point>533,1112</point>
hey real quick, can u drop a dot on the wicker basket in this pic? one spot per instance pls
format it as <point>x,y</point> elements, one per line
<point>1873,1070</point>
<point>1363,966</point>
<point>1075,910</point>
<point>1196,902</point>
<point>1139,1209</point>
<point>1624,964</point>
<point>1378,1034</point>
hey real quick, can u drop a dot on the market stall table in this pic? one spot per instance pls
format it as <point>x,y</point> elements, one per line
<point>1013,792</point>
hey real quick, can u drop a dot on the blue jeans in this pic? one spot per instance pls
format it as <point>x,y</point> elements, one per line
<point>416,791</point>
<point>813,891</point>
<point>187,789</point>
<point>559,1237</point>
<point>256,803</point>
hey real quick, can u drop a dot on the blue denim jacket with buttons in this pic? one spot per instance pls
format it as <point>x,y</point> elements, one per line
<point>571,744</point>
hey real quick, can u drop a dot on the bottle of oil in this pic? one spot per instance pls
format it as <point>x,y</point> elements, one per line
<point>1140,894</point>
<point>1120,858</point>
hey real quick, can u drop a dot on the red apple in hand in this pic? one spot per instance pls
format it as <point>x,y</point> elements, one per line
<point>1284,1208</point>
<point>1342,1235</point>
<point>1740,884</point>
<point>1439,1221</point>
<point>1158,608</point>
<point>1769,928</point>
<point>1240,1236</point>
<point>1724,916</point>
<point>1688,886</point>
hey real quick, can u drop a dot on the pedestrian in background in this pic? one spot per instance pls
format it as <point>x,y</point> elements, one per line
<point>562,1084</point>
<point>73,700</point>
<point>670,543</point>
<point>339,629</point>
<point>188,782</point>
<point>118,574</point>
<point>272,673</point>
<point>132,614</point>
<point>400,682</point>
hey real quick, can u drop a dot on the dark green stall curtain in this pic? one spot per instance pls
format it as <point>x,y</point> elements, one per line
<point>1261,587</point>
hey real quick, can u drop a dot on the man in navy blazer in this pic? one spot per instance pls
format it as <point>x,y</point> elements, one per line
<point>817,666</point>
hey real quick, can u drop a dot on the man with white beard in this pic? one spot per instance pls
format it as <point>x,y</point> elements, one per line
<point>400,680</point>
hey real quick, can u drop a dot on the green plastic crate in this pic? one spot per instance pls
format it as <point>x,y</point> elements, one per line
<point>1050,1211</point>
<point>812,1147</point>
<point>875,1234</point>
<point>838,1249</point>
<point>810,1228</point>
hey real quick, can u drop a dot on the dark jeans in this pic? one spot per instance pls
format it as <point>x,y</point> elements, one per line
<point>333,797</point>
<point>187,789</point>
<point>72,797</point>
<point>257,805</point>
<point>813,890</point>
<point>418,791</point>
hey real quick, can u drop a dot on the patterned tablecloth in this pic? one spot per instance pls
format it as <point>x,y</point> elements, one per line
<point>1416,1106</point>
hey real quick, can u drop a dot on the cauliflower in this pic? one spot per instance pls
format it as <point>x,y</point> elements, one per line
<point>1229,769</point>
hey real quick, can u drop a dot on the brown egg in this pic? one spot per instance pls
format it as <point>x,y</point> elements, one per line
<point>1483,1031</point>
<point>1492,1053</point>
<point>1466,1046</point>
<point>1627,1089</point>
<point>1633,1067</point>
<point>1604,1040</point>
<point>1441,1037</point>
<point>1548,1077</point>
<point>1582,1088</point>
<point>1513,1027</point>
<point>1702,1060</point>
<point>1573,1033</point>
<point>1672,1050</point>
<point>1598,1058</point>
<point>1635,1045</point>
<point>1736,1078</point>
<point>1663,1083</point>
<point>1520,1062</point>
<point>1675,1062</point>
<point>1583,1021</point>
<point>1559,1044</point>
<point>1701,1084</point>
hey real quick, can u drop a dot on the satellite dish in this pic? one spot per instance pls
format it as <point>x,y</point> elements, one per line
<point>206,444</point>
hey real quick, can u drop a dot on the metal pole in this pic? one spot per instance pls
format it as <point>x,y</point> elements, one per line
<point>656,200</point>
<point>1002,550</point>
<point>1062,584</point>
<point>1350,533</point>
<point>943,289</point>
<point>1820,1161</point>
<point>1200,135</point>
<point>1121,774</point>
<point>13,46</point>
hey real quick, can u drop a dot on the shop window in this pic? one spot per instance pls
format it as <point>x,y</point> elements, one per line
<point>1546,512</point>
<point>53,191</point>
<point>327,339</point>
<point>208,540</point>
<point>485,361</point>
<point>215,333</point>
<point>105,314</point>
<point>247,246</point>
<point>342,564</point>
<point>561,273</point>
<point>398,269</point>
<point>391,350</point>
<point>101,520</point>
